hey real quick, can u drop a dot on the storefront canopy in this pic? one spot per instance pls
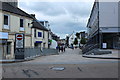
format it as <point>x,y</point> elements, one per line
<point>38,42</point>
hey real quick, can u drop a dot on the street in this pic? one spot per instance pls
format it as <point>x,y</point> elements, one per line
<point>75,66</point>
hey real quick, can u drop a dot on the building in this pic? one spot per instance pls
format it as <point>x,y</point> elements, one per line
<point>13,20</point>
<point>71,39</point>
<point>50,40</point>
<point>61,42</point>
<point>55,37</point>
<point>39,34</point>
<point>47,25</point>
<point>103,25</point>
<point>11,2</point>
<point>82,34</point>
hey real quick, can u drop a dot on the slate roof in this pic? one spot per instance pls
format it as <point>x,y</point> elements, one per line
<point>12,9</point>
<point>9,8</point>
<point>38,25</point>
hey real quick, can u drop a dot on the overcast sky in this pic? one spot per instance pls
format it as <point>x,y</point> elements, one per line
<point>64,17</point>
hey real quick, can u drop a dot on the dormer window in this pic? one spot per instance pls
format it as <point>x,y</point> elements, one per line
<point>6,22</point>
<point>21,24</point>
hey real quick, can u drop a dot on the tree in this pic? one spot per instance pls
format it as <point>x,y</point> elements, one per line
<point>78,35</point>
<point>83,41</point>
<point>75,41</point>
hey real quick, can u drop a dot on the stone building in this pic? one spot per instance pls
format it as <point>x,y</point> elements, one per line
<point>13,20</point>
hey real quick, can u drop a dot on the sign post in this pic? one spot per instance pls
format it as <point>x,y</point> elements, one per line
<point>19,46</point>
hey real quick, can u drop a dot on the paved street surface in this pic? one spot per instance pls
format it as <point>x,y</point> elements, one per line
<point>75,66</point>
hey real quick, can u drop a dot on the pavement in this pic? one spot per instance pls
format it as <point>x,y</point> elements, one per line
<point>98,70</point>
<point>75,66</point>
<point>14,60</point>
<point>114,55</point>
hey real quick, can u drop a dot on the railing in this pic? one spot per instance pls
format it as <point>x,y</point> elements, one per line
<point>25,53</point>
<point>35,52</point>
<point>32,52</point>
<point>89,47</point>
<point>49,51</point>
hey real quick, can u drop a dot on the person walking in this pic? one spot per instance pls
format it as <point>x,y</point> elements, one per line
<point>59,48</point>
<point>72,46</point>
<point>64,47</point>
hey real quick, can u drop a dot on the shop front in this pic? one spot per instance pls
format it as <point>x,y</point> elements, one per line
<point>111,40</point>
<point>4,46</point>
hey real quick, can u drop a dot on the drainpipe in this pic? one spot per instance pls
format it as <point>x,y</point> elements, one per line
<point>31,34</point>
<point>31,37</point>
<point>99,39</point>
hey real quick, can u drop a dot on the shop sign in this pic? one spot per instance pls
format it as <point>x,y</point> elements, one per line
<point>3,35</point>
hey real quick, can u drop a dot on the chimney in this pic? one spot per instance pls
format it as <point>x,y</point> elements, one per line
<point>11,2</point>
<point>33,15</point>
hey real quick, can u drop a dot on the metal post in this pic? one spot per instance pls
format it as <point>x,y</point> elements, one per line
<point>99,39</point>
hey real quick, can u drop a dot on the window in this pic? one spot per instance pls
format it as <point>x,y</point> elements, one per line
<point>8,48</point>
<point>39,34</point>
<point>43,34</point>
<point>6,22</point>
<point>21,25</point>
<point>21,22</point>
<point>34,32</point>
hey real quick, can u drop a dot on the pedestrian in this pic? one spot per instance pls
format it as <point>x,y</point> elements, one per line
<point>72,46</point>
<point>59,48</point>
<point>64,47</point>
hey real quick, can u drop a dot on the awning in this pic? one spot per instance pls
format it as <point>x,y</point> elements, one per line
<point>38,42</point>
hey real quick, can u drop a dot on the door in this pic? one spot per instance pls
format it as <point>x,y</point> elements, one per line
<point>8,48</point>
<point>1,51</point>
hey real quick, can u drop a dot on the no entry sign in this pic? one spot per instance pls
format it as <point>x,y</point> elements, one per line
<point>19,40</point>
<point>19,37</point>
<point>19,46</point>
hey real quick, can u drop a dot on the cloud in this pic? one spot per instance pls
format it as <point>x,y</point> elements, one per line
<point>64,17</point>
<point>58,8</point>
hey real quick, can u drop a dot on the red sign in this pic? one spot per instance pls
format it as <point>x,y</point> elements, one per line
<point>19,37</point>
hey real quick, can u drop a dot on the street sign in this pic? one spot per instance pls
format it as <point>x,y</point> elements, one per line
<point>19,37</point>
<point>19,40</point>
<point>19,46</point>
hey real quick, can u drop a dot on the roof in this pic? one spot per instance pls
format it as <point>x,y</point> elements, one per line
<point>12,9</point>
<point>4,6</point>
<point>38,25</point>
